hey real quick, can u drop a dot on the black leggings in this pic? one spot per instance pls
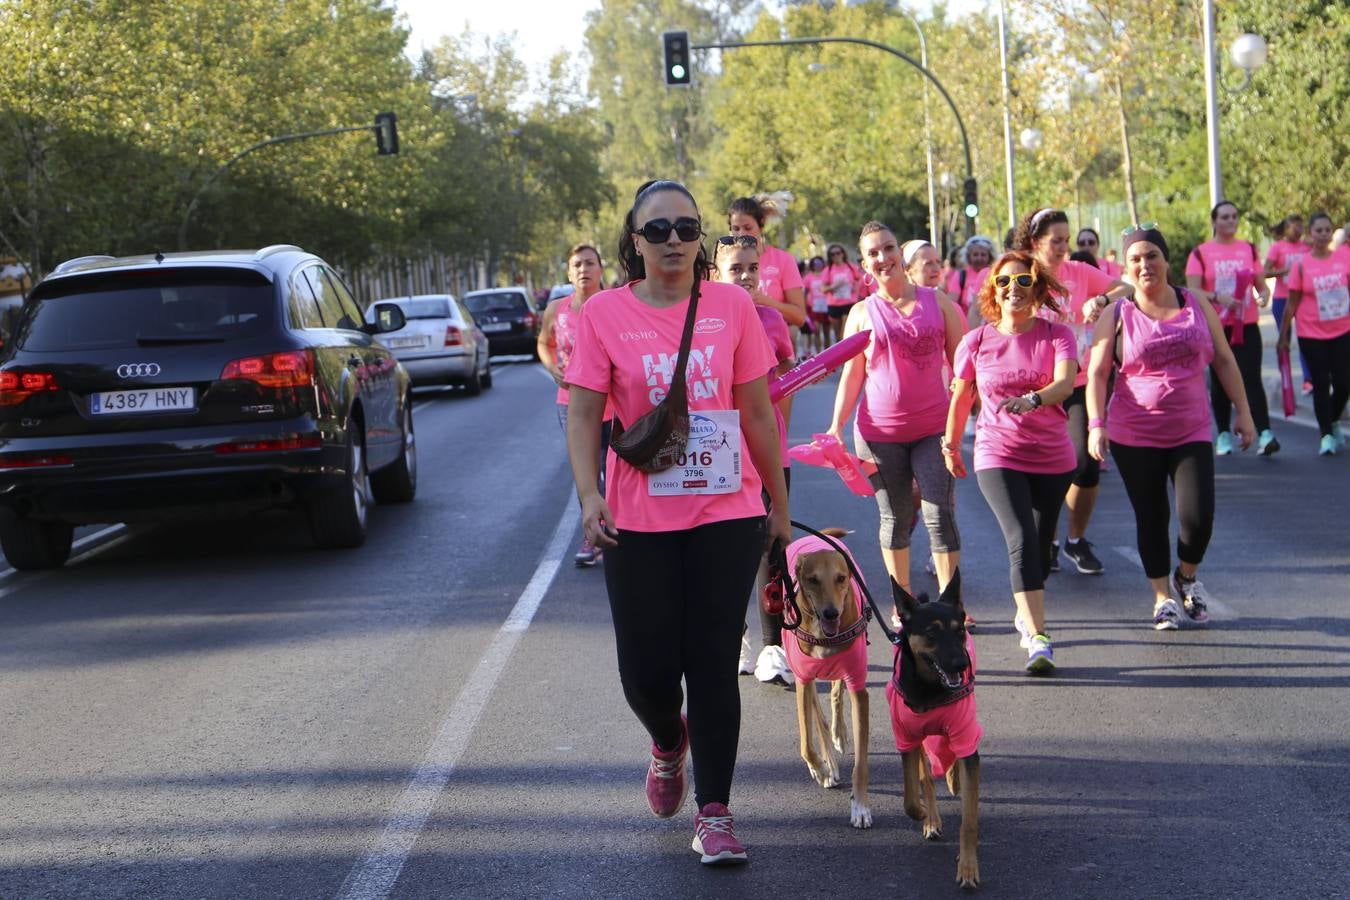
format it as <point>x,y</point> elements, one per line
<point>1146,471</point>
<point>1248,356</point>
<point>1027,508</point>
<point>1089,471</point>
<point>1329,371</point>
<point>678,603</point>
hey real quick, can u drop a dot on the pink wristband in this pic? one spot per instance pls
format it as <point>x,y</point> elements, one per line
<point>1096,423</point>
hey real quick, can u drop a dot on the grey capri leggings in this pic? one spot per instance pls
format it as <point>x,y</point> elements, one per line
<point>898,466</point>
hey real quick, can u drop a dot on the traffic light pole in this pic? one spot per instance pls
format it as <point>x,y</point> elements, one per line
<point>283,139</point>
<point>787,42</point>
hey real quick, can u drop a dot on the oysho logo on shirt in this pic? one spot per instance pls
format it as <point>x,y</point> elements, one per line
<point>710,325</point>
<point>629,337</point>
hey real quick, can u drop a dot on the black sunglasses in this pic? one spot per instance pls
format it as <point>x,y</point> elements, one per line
<point>1088,242</point>
<point>1023,279</point>
<point>657,231</point>
<point>738,240</point>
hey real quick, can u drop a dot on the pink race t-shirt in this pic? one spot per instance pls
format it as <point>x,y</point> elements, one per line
<point>1011,365</point>
<point>778,273</point>
<point>780,340</point>
<point>841,282</point>
<point>948,733</point>
<point>850,665</point>
<point>1285,254</point>
<point>565,320</point>
<point>968,296</point>
<point>1324,310</point>
<point>817,300</point>
<point>905,397</point>
<point>1081,282</point>
<point>627,350</point>
<point>1229,270</point>
<point>1160,398</point>
<point>1110,267</point>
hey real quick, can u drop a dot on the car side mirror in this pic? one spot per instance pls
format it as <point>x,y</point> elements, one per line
<point>388,317</point>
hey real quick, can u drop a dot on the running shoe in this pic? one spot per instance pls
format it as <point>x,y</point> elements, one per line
<point>1224,445</point>
<point>1040,656</point>
<point>772,666</point>
<point>1166,616</point>
<point>667,782</point>
<point>1330,446</point>
<point>1080,551</point>
<point>1192,594</point>
<point>1307,388</point>
<point>1054,556</point>
<point>1338,433</point>
<point>715,837</point>
<point>746,664</point>
<point>587,556</point>
<point>1024,632</point>
<point>1267,445</point>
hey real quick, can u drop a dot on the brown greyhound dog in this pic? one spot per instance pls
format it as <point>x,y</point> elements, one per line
<point>829,643</point>
<point>932,703</point>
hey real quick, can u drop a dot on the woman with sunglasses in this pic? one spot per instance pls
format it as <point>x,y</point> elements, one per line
<point>680,552</point>
<point>1022,365</point>
<point>1160,344</point>
<point>842,279</point>
<point>1319,301</point>
<point>1086,291</point>
<point>1090,242</point>
<point>1224,270</point>
<point>900,393</point>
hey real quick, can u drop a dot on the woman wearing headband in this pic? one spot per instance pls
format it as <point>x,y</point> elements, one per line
<point>680,552</point>
<point>1156,427</point>
<point>1086,291</point>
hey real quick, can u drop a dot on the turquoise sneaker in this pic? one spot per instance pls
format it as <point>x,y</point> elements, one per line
<point>1224,445</point>
<point>1330,446</point>
<point>1267,445</point>
<point>1040,656</point>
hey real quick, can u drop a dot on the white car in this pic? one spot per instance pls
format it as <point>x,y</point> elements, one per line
<point>441,344</point>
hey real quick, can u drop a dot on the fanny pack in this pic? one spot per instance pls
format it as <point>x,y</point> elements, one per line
<point>656,440</point>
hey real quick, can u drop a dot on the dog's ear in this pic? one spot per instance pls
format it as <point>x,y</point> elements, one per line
<point>905,602</point>
<point>951,594</point>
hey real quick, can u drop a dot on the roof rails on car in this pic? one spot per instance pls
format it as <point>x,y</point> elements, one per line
<point>79,261</point>
<point>276,248</point>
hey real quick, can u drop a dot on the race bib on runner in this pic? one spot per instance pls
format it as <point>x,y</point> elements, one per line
<point>1333,303</point>
<point>820,304</point>
<point>711,462</point>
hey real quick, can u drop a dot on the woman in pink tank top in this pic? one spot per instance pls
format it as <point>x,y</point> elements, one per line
<point>1159,419</point>
<point>903,392</point>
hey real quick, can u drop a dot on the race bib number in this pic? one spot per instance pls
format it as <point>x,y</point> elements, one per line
<point>711,462</point>
<point>820,304</point>
<point>1225,284</point>
<point>1333,303</point>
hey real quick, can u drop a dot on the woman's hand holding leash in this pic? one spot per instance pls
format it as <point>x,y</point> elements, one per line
<point>597,522</point>
<point>777,529</point>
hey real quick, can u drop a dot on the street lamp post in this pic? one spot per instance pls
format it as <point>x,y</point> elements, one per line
<point>927,135</point>
<point>1249,53</point>
<point>1007,114</point>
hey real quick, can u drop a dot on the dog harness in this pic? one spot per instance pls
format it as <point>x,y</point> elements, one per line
<point>849,665</point>
<point>948,732</point>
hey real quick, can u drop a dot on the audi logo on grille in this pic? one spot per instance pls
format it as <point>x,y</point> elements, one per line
<point>138,370</point>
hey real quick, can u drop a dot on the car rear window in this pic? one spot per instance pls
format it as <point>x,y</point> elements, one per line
<point>423,309</point>
<point>497,301</point>
<point>130,309</point>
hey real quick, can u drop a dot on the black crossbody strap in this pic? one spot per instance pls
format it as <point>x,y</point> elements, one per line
<point>678,393</point>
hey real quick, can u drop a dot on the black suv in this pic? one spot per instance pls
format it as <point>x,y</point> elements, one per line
<point>198,385</point>
<point>507,317</point>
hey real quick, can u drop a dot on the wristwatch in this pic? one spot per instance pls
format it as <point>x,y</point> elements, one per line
<point>1034,399</point>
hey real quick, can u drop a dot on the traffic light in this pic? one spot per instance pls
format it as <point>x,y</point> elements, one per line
<point>386,134</point>
<point>675,47</point>
<point>972,199</point>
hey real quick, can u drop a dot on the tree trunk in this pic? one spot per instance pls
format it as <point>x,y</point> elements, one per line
<point>1126,162</point>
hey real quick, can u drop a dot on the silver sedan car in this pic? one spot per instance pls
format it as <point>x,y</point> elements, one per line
<point>441,344</point>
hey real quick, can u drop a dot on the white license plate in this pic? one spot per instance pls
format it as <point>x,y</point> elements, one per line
<point>402,342</point>
<point>149,400</point>
<point>495,327</point>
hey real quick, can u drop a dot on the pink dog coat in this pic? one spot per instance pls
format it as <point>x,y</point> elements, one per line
<point>850,664</point>
<point>948,733</point>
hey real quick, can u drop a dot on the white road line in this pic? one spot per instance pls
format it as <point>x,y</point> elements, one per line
<point>1218,606</point>
<point>374,876</point>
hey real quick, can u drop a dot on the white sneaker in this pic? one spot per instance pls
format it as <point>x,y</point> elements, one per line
<point>773,666</point>
<point>1022,629</point>
<point>746,665</point>
<point>1166,616</point>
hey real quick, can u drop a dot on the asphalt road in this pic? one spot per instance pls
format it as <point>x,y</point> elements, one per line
<point>222,711</point>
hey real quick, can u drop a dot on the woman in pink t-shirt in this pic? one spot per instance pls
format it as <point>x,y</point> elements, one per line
<point>965,282</point>
<point>1319,302</point>
<point>1086,291</point>
<point>557,339</point>
<point>681,545</point>
<point>900,393</point>
<point>1023,366</point>
<point>1281,258</point>
<point>817,304</point>
<point>1090,242</point>
<point>1159,430</point>
<point>841,283</point>
<point>1226,271</point>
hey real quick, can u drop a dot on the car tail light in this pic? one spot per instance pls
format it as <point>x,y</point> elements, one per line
<point>293,368</point>
<point>529,320</point>
<point>33,460</point>
<point>16,387</point>
<point>453,338</point>
<point>272,445</point>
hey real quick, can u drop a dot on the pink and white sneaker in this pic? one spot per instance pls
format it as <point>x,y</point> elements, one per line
<point>667,781</point>
<point>714,837</point>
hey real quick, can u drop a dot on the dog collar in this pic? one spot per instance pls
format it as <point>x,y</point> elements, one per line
<point>843,637</point>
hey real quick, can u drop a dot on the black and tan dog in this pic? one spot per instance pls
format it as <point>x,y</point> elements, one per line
<point>829,644</point>
<point>931,696</point>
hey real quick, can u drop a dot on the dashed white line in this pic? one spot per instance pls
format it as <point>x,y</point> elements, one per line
<point>1218,606</point>
<point>373,878</point>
